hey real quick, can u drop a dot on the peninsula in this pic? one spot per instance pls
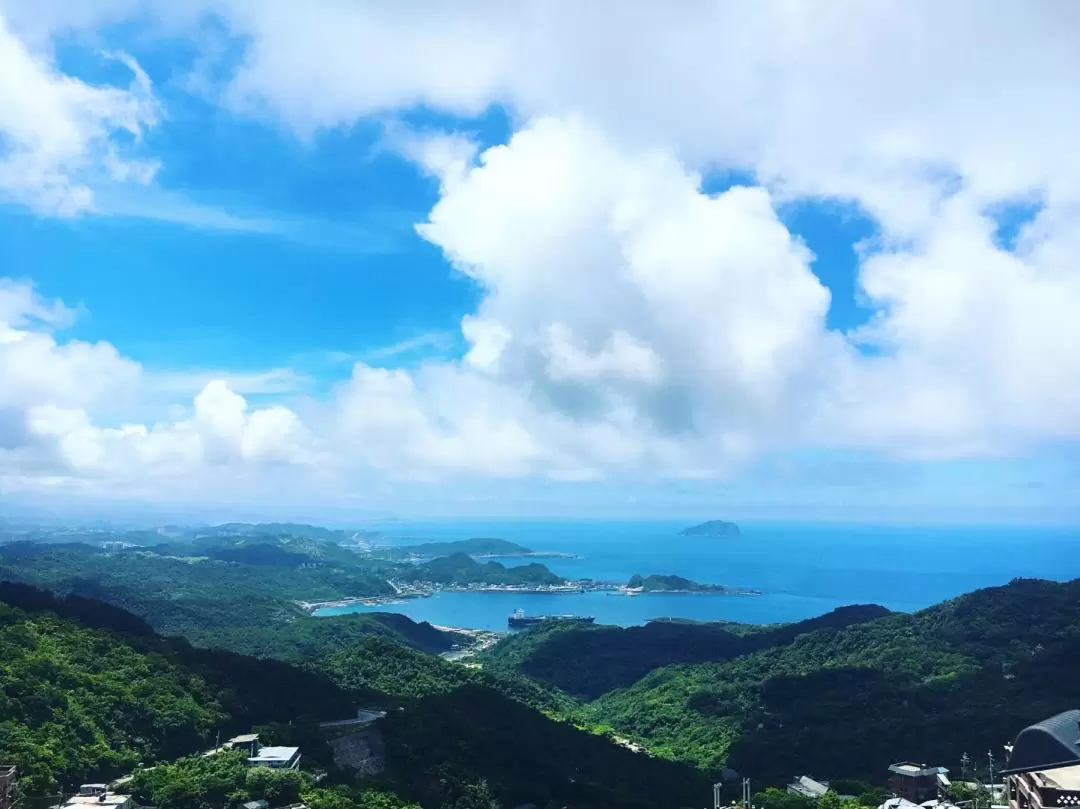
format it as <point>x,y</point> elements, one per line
<point>712,528</point>
<point>677,584</point>
<point>476,547</point>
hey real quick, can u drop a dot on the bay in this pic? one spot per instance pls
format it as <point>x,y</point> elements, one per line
<point>803,570</point>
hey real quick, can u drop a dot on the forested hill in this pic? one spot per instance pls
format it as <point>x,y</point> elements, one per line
<point>88,692</point>
<point>588,660</point>
<point>963,675</point>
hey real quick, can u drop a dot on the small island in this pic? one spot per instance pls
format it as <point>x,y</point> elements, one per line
<point>712,528</point>
<point>677,584</point>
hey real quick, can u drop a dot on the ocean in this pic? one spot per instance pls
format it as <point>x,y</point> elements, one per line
<point>802,570</point>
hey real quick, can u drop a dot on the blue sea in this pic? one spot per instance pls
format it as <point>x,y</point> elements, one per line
<point>802,570</point>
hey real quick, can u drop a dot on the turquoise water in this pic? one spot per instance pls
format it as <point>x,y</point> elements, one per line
<point>803,570</point>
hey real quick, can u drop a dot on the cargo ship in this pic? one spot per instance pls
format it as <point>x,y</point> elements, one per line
<point>519,620</point>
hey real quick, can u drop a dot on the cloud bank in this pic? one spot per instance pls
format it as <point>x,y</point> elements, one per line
<point>631,324</point>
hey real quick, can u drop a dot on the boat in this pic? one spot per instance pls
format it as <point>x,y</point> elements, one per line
<point>519,620</point>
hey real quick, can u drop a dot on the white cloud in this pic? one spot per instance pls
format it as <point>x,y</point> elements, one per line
<point>52,389</point>
<point>877,101</point>
<point>629,320</point>
<point>57,132</point>
<point>630,324</point>
<point>445,156</point>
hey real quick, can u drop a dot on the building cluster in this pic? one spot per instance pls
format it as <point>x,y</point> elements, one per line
<point>914,786</point>
<point>260,755</point>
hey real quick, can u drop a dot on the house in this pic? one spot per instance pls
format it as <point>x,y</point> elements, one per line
<point>263,804</point>
<point>260,755</point>
<point>1045,788</point>
<point>917,782</point>
<point>90,796</point>
<point>807,787</point>
<point>8,781</point>
<point>898,803</point>
<point>1044,764</point>
<point>248,742</point>
<point>277,758</point>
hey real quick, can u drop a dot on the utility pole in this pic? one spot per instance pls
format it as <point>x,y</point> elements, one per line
<point>716,795</point>
<point>990,755</point>
<point>746,793</point>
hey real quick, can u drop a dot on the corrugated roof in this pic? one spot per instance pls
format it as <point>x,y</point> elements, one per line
<point>1047,745</point>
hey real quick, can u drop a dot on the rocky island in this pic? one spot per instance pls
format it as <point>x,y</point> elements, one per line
<point>677,584</point>
<point>712,528</point>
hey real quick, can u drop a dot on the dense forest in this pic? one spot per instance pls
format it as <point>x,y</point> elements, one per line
<point>241,592</point>
<point>90,686</point>
<point>587,661</point>
<point>839,697</point>
<point>90,692</point>
<point>460,568</point>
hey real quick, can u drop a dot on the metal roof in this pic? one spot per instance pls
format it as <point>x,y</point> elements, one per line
<point>275,754</point>
<point>1046,745</point>
<point>913,770</point>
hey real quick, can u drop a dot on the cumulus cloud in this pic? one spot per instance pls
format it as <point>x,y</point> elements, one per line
<point>57,133</point>
<point>53,389</point>
<point>885,103</point>
<point>629,323</point>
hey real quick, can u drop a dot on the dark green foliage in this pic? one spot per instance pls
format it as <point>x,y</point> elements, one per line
<point>261,553</point>
<point>460,568</point>
<point>440,747</point>
<point>773,798</point>
<point>656,583</point>
<point>89,612</point>
<point>307,639</point>
<point>380,664</point>
<point>190,595</point>
<point>588,661</point>
<point>223,781</point>
<point>965,674</point>
<point>78,703</point>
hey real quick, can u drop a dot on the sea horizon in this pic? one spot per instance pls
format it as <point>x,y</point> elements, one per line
<point>802,569</point>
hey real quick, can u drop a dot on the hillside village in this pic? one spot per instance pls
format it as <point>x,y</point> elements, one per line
<point>1042,772</point>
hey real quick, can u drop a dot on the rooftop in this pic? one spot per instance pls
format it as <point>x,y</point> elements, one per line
<point>1061,778</point>
<point>805,785</point>
<point>275,754</point>
<point>245,738</point>
<point>912,770</point>
<point>107,799</point>
<point>1047,745</point>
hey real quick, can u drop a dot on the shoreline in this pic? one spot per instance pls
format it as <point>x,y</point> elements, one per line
<point>428,589</point>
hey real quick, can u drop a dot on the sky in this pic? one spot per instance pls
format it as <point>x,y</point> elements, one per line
<point>768,260</point>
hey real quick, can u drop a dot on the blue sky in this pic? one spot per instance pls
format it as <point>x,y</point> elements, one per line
<point>731,286</point>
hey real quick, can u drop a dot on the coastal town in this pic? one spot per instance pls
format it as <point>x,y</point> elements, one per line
<point>426,589</point>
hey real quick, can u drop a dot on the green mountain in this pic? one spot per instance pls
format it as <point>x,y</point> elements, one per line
<point>658,583</point>
<point>590,660</point>
<point>962,675</point>
<point>460,568</point>
<point>89,692</point>
<point>183,589</point>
